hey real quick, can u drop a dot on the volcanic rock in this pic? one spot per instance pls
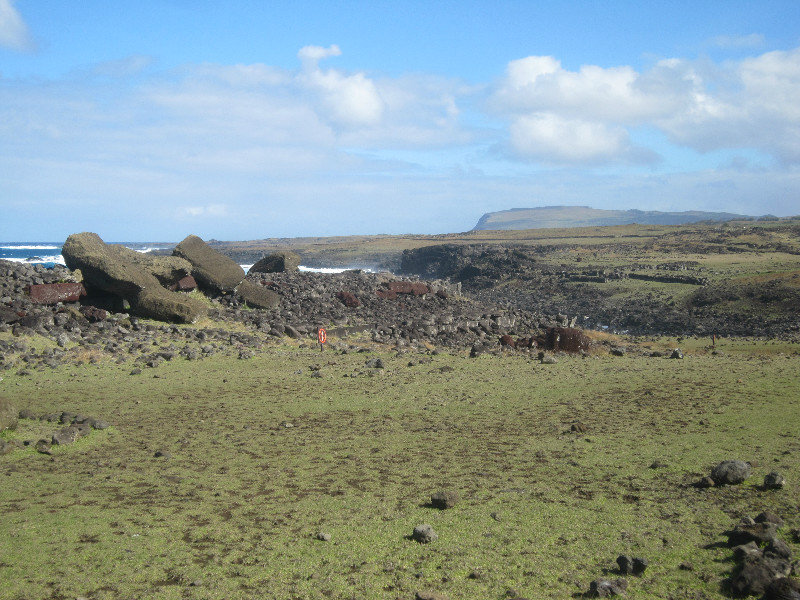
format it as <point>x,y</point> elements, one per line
<point>277,262</point>
<point>212,270</point>
<point>424,534</point>
<point>774,481</point>
<point>783,588</point>
<point>603,588</point>
<point>757,574</point>
<point>444,499</point>
<point>760,533</point>
<point>731,472</point>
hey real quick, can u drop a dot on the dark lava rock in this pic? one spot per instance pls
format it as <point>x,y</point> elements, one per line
<point>757,573</point>
<point>783,588</point>
<point>705,482</point>
<point>9,416</point>
<point>603,588</point>
<point>162,454</point>
<point>768,517</point>
<point>94,314</point>
<point>424,534</point>
<point>760,533</point>
<point>779,548</point>
<point>579,427</point>
<point>731,472</point>
<point>278,262</point>
<point>444,499</point>
<point>774,481</point>
<point>742,551</point>
<point>375,363</point>
<point>212,270</point>
<point>618,351</point>
<point>631,566</point>
<point>42,447</point>
<point>65,436</point>
<point>676,353</point>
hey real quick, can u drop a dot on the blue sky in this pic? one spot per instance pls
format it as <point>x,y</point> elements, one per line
<point>242,120</point>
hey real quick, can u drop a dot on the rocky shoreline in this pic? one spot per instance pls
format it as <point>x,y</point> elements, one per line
<point>93,324</point>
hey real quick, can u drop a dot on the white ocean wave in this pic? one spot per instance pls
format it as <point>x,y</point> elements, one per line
<point>21,247</point>
<point>36,260</point>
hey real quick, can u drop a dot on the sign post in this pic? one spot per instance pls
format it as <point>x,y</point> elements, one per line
<point>322,337</point>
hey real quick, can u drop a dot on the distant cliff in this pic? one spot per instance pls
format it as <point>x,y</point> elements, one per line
<point>545,217</point>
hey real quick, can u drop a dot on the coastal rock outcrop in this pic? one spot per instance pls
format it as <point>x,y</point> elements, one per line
<point>213,271</point>
<point>277,262</point>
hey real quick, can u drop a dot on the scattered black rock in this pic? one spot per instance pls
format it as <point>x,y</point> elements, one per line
<point>731,472</point>
<point>604,588</point>
<point>774,481</point>
<point>783,588</point>
<point>424,534</point>
<point>444,499</point>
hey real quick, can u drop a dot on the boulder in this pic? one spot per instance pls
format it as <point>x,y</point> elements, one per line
<point>783,588</point>
<point>760,533</point>
<point>774,481</point>
<point>212,270</point>
<point>257,296</point>
<point>8,415</point>
<point>757,574</point>
<point>277,262</point>
<point>603,588</point>
<point>444,499</point>
<point>424,534</point>
<point>731,472</point>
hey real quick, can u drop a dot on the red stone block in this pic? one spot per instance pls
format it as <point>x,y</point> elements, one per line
<point>187,284</point>
<point>53,293</point>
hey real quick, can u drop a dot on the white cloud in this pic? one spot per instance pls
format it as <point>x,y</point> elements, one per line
<point>586,114</point>
<point>746,104</point>
<point>210,210</point>
<point>551,138</point>
<point>309,54</point>
<point>13,30</point>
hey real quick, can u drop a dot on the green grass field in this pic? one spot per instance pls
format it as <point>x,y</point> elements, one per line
<point>263,456</point>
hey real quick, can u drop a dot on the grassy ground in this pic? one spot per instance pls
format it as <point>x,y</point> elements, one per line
<point>263,455</point>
